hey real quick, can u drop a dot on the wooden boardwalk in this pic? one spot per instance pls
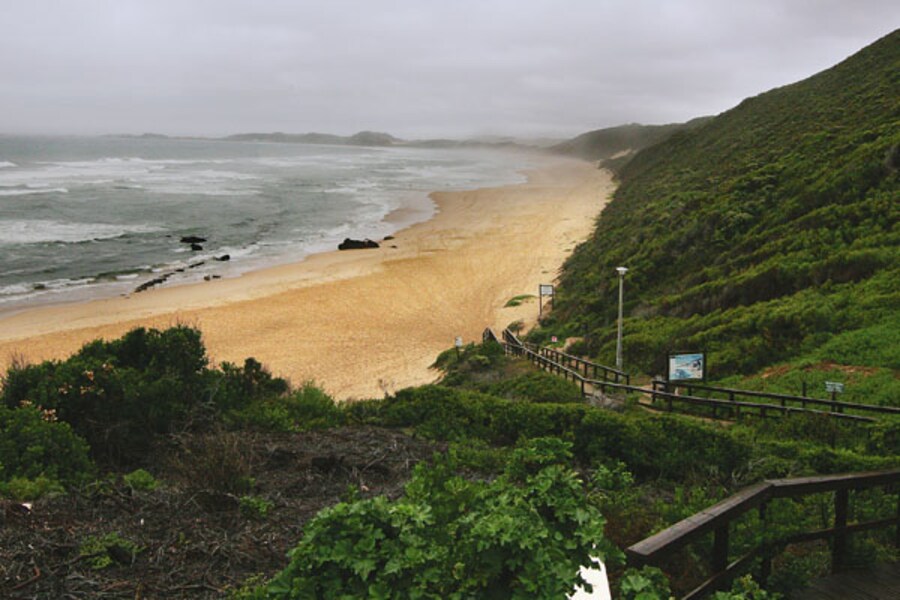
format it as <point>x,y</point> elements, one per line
<point>878,583</point>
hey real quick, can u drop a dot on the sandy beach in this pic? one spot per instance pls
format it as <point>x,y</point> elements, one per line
<point>364,322</point>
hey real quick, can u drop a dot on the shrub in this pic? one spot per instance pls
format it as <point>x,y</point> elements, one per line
<point>119,395</point>
<point>140,480</point>
<point>651,446</point>
<point>536,386</point>
<point>648,583</point>
<point>23,489</point>
<point>307,408</point>
<point>101,552</point>
<point>219,461</point>
<point>234,387</point>
<point>254,507</point>
<point>522,536</point>
<point>460,366</point>
<point>34,445</point>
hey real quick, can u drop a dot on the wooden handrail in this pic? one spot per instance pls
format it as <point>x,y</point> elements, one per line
<point>782,398</point>
<point>532,352</point>
<point>734,408</point>
<point>717,518</point>
<point>665,542</point>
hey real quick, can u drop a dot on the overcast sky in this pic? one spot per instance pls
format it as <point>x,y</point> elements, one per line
<point>414,68</point>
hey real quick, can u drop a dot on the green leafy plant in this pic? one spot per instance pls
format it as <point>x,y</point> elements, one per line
<point>305,409</point>
<point>104,551</point>
<point>33,444</point>
<point>521,536</point>
<point>518,300</point>
<point>745,588</point>
<point>140,480</point>
<point>648,583</point>
<point>119,395</point>
<point>24,489</point>
<point>254,507</point>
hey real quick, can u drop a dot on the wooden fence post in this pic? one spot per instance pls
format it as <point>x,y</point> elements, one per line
<point>720,549</point>
<point>839,547</point>
<point>765,567</point>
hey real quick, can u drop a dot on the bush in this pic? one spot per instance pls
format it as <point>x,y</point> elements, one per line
<point>650,445</point>
<point>537,386</point>
<point>23,489</point>
<point>306,409</point>
<point>102,552</point>
<point>235,387</point>
<point>220,461</point>
<point>522,536</point>
<point>461,366</point>
<point>119,395</point>
<point>34,445</point>
<point>141,481</point>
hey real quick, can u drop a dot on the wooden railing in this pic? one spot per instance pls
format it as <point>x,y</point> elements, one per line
<point>785,401</point>
<point>588,369</point>
<point>575,369</point>
<point>718,519</point>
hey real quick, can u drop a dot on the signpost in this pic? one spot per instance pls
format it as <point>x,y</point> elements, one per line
<point>544,289</point>
<point>686,366</point>
<point>834,388</point>
<point>458,344</point>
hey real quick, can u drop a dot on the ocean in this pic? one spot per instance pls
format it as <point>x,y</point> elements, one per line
<point>87,217</point>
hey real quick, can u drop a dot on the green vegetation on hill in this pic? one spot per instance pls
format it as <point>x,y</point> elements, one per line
<point>624,140</point>
<point>760,236</point>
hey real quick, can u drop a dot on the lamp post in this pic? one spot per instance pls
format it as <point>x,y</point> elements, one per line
<point>621,271</point>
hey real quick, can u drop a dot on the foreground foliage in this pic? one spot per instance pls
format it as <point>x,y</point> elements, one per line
<point>522,535</point>
<point>525,461</point>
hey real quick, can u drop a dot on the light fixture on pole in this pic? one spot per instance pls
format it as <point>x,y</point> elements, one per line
<point>621,271</point>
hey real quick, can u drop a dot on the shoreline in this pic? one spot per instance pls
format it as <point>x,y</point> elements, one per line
<point>415,209</point>
<point>360,323</point>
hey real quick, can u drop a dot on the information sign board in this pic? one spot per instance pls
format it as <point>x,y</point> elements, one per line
<point>687,366</point>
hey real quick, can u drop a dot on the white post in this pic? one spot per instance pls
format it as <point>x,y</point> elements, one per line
<point>621,271</point>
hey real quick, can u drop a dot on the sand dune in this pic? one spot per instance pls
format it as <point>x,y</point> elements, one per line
<point>361,322</point>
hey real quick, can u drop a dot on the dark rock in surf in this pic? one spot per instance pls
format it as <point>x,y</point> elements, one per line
<point>224,257</point>
<point>350,244</point>
<point>192,239</point>
<point>196,247</point>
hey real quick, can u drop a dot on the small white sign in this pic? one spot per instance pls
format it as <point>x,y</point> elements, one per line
<point>458,342</point>
<point>834,386</point>
<point>546,289</point>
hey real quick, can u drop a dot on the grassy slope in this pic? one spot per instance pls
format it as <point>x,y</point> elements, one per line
<point>765,235</point>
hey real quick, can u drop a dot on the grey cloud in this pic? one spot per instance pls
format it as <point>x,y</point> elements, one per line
<point>411,67</point>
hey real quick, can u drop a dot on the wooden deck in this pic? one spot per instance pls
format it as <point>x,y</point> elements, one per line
<point>878,583</point>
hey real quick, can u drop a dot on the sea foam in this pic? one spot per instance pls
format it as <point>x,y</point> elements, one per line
<point>46,231</point>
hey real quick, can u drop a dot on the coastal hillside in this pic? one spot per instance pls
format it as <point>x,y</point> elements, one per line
<point>616,145</point>
<point>770,233</point>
